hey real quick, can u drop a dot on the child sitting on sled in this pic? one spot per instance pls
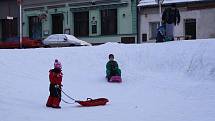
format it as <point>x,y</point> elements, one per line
<point>112,68</point>
<point>55,77</point>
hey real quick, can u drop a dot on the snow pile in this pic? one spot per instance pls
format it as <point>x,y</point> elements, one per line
<point>162,82</point>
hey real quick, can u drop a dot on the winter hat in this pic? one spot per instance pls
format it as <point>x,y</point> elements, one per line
<point>57,64</point>
<point>111,56</point>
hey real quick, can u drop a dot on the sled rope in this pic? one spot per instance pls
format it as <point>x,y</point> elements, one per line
<point>67,95</point>
<point>63,99</point>
<point>67,102</point>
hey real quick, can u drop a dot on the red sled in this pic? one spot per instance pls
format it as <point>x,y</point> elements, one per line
<point>93,102</point>
<point>116,79</point>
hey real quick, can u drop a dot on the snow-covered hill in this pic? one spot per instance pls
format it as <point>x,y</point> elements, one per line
<point>172,81</point>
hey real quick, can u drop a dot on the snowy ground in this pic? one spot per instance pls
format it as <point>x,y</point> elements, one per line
<point>172,81</point>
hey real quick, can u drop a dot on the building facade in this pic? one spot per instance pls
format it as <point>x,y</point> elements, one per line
<point>197,20</point>
<point>96,22</point>
<point>9,19</point>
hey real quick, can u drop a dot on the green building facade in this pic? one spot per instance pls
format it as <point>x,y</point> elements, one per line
<point>93,21</point>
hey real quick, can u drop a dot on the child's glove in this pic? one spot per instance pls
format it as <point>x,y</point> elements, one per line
<point>56,86</point>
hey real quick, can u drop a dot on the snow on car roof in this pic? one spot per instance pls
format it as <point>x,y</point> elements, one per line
<point>74,39</point>
<point>66,37</point>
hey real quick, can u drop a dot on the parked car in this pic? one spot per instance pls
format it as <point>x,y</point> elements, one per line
<point>14,42</point>
<point>63,40</point>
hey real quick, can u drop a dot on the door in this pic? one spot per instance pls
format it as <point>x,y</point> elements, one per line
<point>9,28</point>
<point>35,28</point>
<point>81,24</point>
<point>57,23</point>
<point>190,29</point>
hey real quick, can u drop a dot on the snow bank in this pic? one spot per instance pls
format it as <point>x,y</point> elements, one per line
<point>162,82</point>
<point>193,58</point>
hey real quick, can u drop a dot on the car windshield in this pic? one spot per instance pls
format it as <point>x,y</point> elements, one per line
<point>52,38</point>
<point>62,38</point>
<point>57,37</point>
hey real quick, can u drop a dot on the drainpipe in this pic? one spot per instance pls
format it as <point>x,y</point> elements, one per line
<point>138,22</point>
<point>159,2</point>
<point>20,22</point>
<point>160,14</point>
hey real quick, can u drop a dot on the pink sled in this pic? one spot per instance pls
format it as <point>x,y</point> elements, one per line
<point>116,79</point>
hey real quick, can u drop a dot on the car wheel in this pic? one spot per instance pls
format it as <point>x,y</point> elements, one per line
<point>47,46</point>
<point>71,45</point>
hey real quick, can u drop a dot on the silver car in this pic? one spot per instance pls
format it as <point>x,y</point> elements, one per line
<point>63,40</point>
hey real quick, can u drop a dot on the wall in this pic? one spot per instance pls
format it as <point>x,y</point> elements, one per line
<point>206,25</point>
<point>104,39</point>
<point>96,14</point>
<point>124,20</point>
<point>9,8</point>
<point>126,24</point>
<point>205,18</point>
<point>146,16</point>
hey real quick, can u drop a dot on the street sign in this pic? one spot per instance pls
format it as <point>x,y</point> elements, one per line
<point>159,1</point>
<point>9,17</point>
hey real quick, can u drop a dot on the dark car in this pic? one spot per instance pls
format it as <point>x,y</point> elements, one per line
<point>15,43</point>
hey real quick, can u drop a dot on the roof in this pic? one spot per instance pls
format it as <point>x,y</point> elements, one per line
<point>51,2</point>
<point>152,2</point>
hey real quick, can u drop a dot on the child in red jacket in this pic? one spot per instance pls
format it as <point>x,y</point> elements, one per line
<point>55,77</point>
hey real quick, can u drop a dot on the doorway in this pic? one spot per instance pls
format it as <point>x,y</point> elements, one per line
<point>35,28</point>
<point>9,28</point>
<point>190,28</point>
<point>81,24</point>
<point>57,23</point>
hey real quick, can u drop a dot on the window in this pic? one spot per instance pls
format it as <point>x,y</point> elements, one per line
<point>109,22</point>
<point>144,37</point>
<point>153,29</point>
<point>128,40</point>
<point>94,29</point>
<point>94,25</point>
<point>81,23</point>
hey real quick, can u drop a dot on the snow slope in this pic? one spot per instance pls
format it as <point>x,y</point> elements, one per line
<point>171,81</point>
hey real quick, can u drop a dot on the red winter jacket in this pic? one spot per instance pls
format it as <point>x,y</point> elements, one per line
<point>55,76</point>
